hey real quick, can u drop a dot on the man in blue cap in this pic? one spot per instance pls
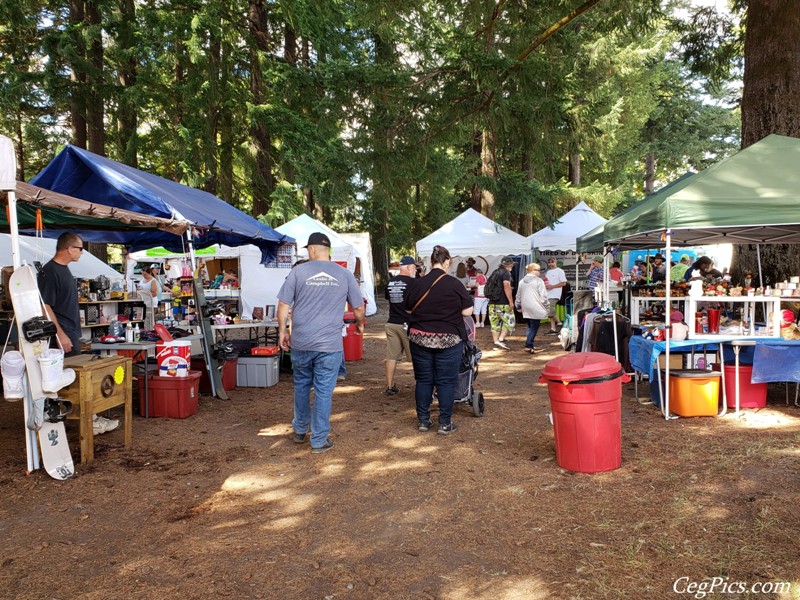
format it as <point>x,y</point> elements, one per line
<point>316,292</point>
<point>396,327</point>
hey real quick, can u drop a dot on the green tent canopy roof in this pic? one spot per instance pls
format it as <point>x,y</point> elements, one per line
<point>753,197</point>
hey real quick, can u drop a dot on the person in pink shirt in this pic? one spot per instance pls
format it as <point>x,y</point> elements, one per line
<point>615,273</point>
<point>480,302</point>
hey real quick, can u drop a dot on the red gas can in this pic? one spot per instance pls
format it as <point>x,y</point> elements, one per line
<point>353,342</point>
<point>585,393</point>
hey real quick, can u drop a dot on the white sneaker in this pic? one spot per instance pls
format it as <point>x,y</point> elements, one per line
<point>103,425</point>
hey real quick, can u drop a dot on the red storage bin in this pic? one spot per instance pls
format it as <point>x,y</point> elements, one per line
<point>352,342</point>
<point>585,396</point>
<point>751,395</point>
<point>228,374</point>
<point>171,397</point>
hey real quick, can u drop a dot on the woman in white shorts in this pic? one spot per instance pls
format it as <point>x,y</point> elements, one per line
<point>481,302</point>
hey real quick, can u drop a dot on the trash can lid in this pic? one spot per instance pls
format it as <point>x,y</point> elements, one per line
<point>581,365</point>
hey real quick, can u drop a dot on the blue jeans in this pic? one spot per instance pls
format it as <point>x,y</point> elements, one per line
<point>533,329</point>
<point>316,370</point>
<point>439,369</point>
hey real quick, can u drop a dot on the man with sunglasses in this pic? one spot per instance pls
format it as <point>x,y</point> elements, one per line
<point>60,296</point>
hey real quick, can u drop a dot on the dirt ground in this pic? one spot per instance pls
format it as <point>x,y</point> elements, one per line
<point>223,504</point>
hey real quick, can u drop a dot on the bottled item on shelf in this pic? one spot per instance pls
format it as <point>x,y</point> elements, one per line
<point>128,333</point>
<point>137,333</point>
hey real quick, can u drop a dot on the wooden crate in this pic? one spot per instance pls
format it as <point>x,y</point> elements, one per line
<point>100,383</point>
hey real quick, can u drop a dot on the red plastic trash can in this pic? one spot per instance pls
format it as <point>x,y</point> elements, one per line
<point>585,396</point>
<point>353,341</point>
<point>751,395</point>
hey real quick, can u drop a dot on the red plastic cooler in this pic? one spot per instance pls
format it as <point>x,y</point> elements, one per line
<point>585,393</point>
<point>352,341</point>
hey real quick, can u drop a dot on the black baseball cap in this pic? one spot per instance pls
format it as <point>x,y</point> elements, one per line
<point>407,260</point>
<point>318,239</point>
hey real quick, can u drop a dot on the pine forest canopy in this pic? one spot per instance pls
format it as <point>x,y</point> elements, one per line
<point>386,117</point>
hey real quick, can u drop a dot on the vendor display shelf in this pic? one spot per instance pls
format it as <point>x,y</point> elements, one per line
<point>772,304</point>
<point>638,303</point>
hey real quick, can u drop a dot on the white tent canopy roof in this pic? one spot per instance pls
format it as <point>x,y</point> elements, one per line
<point>471,234</point>
<point>43,249</point>
<point>301,227</point>
<point>566,230</point>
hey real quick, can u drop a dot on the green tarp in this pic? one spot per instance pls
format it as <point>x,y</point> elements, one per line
<point>752,197</point>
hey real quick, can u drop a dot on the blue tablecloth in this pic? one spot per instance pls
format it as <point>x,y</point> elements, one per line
<point>776,360</point>
<point>644,353</point>
<point>772,359</point>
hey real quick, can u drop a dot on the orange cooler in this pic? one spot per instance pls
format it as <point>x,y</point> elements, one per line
<point>694,392</point>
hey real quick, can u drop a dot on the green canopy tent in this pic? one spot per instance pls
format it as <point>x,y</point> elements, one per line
<point>750,198</point>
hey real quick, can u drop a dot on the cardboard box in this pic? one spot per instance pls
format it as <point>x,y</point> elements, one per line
<point>675,361</point>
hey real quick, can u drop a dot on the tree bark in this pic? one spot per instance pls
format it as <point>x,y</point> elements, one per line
<point>263,181</point>
<point>95,108</point>
<point>770,104</point>
<point>127,117</point>
<point>77,75</point>
<point>487,170</point>
<point>649,173</point>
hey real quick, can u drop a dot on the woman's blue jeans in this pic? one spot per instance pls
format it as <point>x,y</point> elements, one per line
<point>533,329</point>
<point>439,369</point>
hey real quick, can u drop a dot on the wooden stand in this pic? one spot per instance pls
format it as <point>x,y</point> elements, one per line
<point>101,383</point>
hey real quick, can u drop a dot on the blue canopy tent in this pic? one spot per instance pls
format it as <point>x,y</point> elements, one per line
<point>82,174</point>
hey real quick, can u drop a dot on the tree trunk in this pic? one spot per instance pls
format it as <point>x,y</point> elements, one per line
<point>487,170</point>
<point>77,75</point>
<point>770,104</point>
<point>263,181</point>
<point>649,173</point>
<point>127,117</point>
<point>95,109</point>
<point>575,169</point>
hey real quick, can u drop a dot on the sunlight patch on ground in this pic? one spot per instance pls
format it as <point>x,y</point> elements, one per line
<point>277,430</point>
<point>763,419</point>
<point>333,468</point>
<point>376,467</point>
<point>503,588</point>
<point>245,481</point>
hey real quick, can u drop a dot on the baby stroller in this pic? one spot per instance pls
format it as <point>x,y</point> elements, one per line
<point>468,371</point>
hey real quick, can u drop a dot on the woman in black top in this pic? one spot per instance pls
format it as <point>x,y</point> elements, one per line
<point>436,332</point>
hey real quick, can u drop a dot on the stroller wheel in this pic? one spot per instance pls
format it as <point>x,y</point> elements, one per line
<point>477,403</point>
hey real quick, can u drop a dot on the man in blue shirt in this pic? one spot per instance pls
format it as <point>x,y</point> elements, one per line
<point>316,291</point>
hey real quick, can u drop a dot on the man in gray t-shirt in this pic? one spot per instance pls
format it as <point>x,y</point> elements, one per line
<point>316,291</point>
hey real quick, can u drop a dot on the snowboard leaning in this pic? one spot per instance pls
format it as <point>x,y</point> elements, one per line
<point>25,298</point>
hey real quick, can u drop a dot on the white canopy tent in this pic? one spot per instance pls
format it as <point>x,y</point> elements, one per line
<point>259,285</point>
<point>43,249</point>
<point>345,251</point>
<point>472,234</point>
<point>566,230</point>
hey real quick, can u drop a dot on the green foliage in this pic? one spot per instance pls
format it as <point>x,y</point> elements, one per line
<point>376,109</point>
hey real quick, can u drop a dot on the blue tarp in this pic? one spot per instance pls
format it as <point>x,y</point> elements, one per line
<point>82,174</point>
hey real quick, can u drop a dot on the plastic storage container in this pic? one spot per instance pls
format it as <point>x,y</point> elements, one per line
<point>751,395</point>
<point>171,397</point>
<point>353,341</point>
<point>693,392</point>
<point>585,393</point>
<point>228,374</point>
<point>257,371</point>
<point>174,357</point>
